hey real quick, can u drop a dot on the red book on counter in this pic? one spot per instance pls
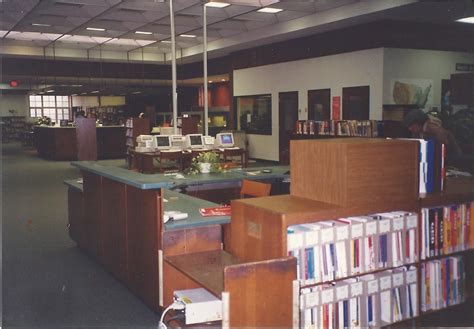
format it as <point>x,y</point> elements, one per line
<point>215,211</point>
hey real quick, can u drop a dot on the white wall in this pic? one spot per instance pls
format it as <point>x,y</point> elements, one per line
<point>421,65</point>
<point>360,68</point>
<point>14,102</point>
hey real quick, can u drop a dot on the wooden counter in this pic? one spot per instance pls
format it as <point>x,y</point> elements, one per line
<point>59,143</point>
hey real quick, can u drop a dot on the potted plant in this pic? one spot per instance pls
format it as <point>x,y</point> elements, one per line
<point>205,162</point>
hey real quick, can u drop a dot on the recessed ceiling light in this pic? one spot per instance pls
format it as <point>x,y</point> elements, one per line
<point>144,32</point>
<point>50,91</point>
<point>466,20</point>
<point>210,81</point>
<point>40,24</point>
<point>94,92</point>
<point>222,79</point>
<point>270,10</point>
<point>95,29</point>
<point>187,35</point>
<point>216,4</point>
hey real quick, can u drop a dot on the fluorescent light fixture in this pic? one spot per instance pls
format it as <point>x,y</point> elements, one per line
<point>74,95</point>
<point>269,10</point>
<point>216,4</point>
<point>144,32</point>
<point>83,93</point>
<point>94,92</point>
<point>50,91</point>
<point>187,35</point>
<point>166,41</point>
<point>137,92</point>
<point>95,29</point>
<point>469,20</point>
<point>40,24</point>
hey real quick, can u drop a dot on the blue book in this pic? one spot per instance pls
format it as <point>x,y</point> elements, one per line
<point>448,285</point>
<point>346,313</point>
<point>369,310</point>
<point>310,262</point>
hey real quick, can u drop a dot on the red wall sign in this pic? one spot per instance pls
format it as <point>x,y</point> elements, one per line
<point>336,107</point>
<point>14,83</point>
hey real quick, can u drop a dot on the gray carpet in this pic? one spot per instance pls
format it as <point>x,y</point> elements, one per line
<point>47,281</point>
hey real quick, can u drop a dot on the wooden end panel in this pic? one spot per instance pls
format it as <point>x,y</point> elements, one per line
<point>143,243</point>
<point>114,228</point>
<point>382,174</point>
<point>76,217</point>
<point>86,138</point>
<point>260,294</point>
<point>92,184</point>
<point>256,233</point>
<point>182,242</point>
<point>317,170</point>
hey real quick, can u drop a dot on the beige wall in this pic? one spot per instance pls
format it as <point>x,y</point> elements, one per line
<point>14,102</point>
<point>358,68</point>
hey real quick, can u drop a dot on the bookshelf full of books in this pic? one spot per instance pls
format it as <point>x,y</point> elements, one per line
<point>370,251</point>
<point>352,128</point>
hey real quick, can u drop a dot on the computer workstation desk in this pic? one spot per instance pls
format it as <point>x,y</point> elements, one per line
<point>143,161</point>
<point>116,216</point>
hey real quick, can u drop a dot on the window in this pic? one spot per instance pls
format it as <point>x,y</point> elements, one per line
<point>54,107</point>
<point>319,104</point>
<point>356,103</point>
<point>254,114</point>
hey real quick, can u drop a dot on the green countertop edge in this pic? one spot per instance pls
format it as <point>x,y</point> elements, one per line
<point>74,184</point>
<point>156,181</point>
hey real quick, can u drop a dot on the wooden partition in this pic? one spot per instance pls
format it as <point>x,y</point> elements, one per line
<point>86,138</point>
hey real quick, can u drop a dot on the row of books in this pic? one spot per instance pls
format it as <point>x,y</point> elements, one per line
<point>371,300</point>
<point>442,283</point>
<point>359,128</point>
<point>334,249</point>
<point>445,230</point>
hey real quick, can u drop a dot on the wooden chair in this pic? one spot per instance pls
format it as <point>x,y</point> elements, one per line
<point>252,188</point>
<point>249,188</point>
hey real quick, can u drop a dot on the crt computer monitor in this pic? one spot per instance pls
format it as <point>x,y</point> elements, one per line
<point>194,141</point>
<point>225,140</point>
<point>163,142</point>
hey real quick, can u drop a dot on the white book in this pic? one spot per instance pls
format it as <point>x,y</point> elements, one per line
<point>433,286</point>
<point>385,306</point>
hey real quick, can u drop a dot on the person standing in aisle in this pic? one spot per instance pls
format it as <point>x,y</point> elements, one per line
<point>422,125</point>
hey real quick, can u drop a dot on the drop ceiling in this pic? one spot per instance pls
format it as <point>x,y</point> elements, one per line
<point>106,29</point>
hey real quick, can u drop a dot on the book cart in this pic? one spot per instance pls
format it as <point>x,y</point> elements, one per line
<point>261,286</point>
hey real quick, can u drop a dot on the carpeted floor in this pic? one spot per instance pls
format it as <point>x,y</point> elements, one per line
<point>47,281</point>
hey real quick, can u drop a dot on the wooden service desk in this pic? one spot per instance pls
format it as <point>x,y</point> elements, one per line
<point>116,216</point>
<point>59,143</point>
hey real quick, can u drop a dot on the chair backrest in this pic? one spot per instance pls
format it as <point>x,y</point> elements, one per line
<point>254,189</point>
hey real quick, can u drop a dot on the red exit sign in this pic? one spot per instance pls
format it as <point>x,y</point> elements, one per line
<point>14,83</point>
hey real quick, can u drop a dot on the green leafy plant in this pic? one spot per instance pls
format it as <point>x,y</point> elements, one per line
<point>43,121</point>
<point>204,157</point>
